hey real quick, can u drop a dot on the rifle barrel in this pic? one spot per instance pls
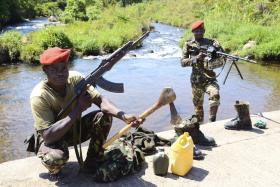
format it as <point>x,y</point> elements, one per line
<point>236,57</point>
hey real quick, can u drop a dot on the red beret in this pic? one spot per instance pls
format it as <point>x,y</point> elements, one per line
<point>198,25</point>
<point>54,55</point>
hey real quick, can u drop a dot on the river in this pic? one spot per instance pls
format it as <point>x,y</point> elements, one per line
<point>143,76</point>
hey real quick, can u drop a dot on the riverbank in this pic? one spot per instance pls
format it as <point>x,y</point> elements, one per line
<point>251,29</point>
<point>242,158</point>
<point>84,38</point>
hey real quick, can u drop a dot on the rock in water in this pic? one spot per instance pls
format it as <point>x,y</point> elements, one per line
<point>250,44</point>
<point>52,19</point>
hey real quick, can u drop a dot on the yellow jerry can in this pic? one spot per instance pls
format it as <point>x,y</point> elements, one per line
<point>181,155</point>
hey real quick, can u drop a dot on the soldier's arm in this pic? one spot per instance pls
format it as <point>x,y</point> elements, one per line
<point>108,107</point>
<point>61,127</point>
<point>57,130</point>
<point>186,59</point>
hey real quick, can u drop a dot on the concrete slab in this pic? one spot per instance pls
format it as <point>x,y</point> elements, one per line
<point>242,158</point>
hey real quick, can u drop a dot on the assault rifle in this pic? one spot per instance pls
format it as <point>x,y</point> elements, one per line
<point>95,77</point>
<point>212,53</point>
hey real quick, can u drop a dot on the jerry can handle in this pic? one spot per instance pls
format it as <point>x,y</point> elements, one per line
<point>184,141</point>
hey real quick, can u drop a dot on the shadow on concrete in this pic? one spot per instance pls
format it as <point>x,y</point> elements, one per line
<point>254,130</point>
<point>258,131</point>
<point>208,148</point>
<point>196,174</point>
<point>70,176</point>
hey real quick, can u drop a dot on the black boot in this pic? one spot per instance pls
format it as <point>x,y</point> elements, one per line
<point>197,154</point>
<point>200,139</point>
<point>191,125</point>
<point>243,120</point>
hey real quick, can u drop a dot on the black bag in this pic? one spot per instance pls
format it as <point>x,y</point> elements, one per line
<point>33,143</point>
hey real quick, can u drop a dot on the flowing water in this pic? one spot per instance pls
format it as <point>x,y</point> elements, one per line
<point>143,76</point>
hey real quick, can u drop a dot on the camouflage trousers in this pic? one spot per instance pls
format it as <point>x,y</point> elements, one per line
<point>94,126</point>
<point>198,98</point>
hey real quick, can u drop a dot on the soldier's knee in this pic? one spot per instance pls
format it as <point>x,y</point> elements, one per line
<point>214,100</point>
<point>108,118</point>
<point>214,97</point>
<point>104,118</point>
<point>54,160</point>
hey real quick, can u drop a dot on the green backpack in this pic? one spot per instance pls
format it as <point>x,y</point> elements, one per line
<point>120,159</point>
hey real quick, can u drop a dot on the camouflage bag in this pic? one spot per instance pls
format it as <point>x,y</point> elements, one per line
<point>120,159</point>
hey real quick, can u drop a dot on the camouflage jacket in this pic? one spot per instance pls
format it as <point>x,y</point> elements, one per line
<point>200,76</point>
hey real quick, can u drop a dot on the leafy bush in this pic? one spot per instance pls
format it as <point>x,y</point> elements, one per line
<point>49,9</point>
<point>74,11</point>
<point>50,37</point>
<point>93,13</point>
<point>11,42</point>
<point>30,53</point>
<point>90,47</point>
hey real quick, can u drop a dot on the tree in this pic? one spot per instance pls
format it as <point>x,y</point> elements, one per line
<point>76,10</point>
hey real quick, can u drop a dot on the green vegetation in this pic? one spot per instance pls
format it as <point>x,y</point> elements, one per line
<point>10,46</point>
<point>100,26</point>
<point>37,42</point>
<point>236,23</point>
<point>105,32</point>
<point>12,11</point>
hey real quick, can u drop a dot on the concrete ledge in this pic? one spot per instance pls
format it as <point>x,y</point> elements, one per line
<point>242,158</point>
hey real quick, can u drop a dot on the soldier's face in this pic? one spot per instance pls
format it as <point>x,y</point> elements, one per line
<point>57,73</point>
<point>198,33</point>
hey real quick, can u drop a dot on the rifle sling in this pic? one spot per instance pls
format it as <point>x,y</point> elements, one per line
<point>75,139</point>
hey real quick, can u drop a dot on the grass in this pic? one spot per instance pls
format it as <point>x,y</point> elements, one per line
<point>232,23</point>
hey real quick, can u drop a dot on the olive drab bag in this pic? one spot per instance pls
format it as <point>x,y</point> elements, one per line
<point>120,159</point>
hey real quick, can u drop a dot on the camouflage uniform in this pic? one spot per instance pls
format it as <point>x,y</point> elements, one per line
<point>45,106</point>
<point>95,126</point>
<point>202,79</point>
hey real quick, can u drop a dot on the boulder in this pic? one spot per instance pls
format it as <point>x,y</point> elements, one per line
<point>52,19</point>
<point>250,44</point>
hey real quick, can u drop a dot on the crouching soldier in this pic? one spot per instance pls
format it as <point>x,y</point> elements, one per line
<point>56,135</point>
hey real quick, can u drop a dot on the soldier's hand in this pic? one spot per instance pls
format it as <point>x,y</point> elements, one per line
<point>132,119</point>
<point>200,56</point>
<point>84,101</point>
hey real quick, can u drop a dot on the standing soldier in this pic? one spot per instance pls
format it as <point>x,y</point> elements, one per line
<point>203,80</point>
